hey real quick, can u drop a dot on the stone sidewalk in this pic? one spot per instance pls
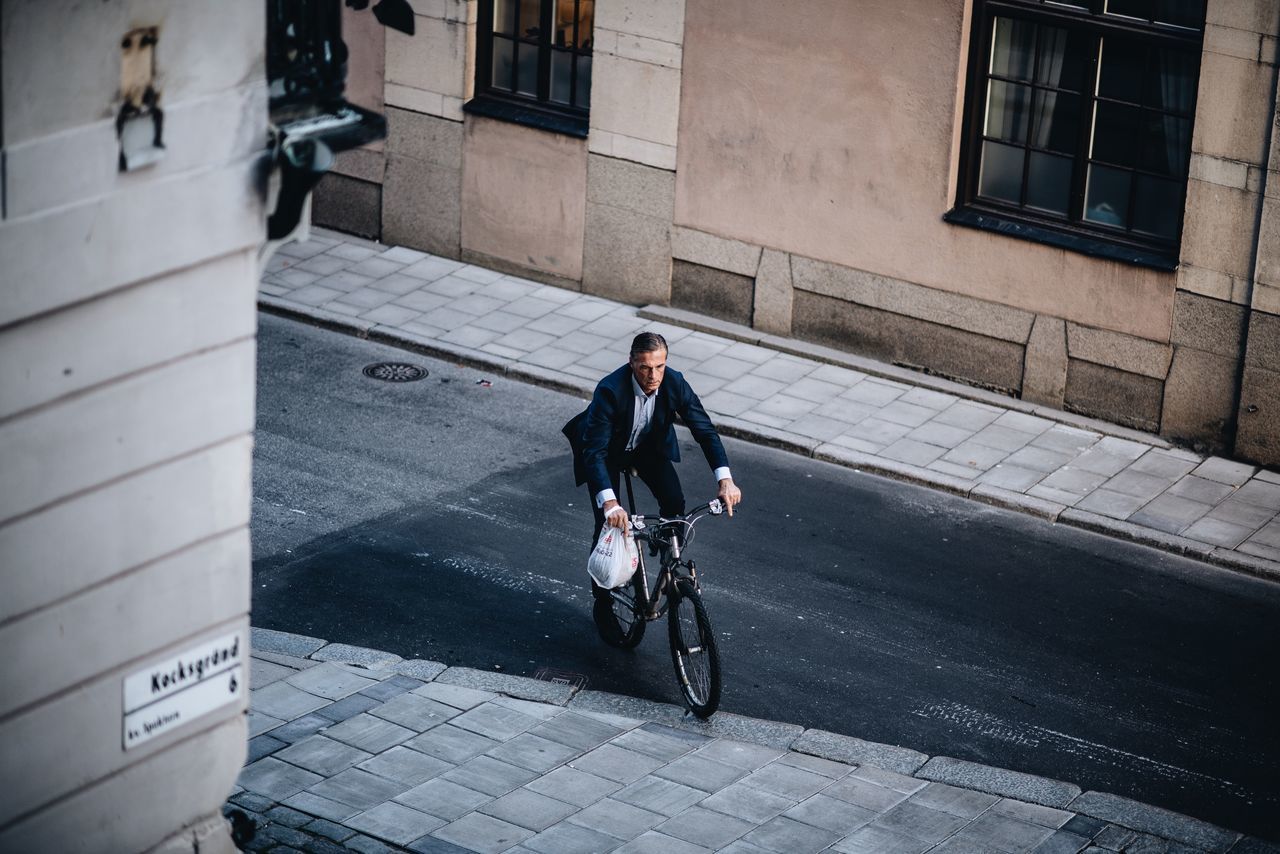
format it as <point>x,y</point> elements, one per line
<point>807,398</point>
<point>357,750</point>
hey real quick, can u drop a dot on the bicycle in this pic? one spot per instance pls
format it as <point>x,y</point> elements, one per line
<point>676,592</point>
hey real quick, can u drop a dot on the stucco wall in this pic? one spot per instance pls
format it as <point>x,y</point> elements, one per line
<point>127,322</point>
<point>524,196</point>
<point>831,134</point>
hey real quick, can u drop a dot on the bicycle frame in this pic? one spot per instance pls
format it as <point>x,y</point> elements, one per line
<point>655,601</point>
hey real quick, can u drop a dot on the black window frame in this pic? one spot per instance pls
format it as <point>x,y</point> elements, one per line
<point>537,110</point>
<point>1073,232</point>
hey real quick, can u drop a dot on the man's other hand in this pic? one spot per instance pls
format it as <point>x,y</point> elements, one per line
<point>729,495</point>
<point>619,517</point>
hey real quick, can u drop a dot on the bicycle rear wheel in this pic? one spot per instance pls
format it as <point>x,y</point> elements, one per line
<point>617,621</point>
<point>693,649</point>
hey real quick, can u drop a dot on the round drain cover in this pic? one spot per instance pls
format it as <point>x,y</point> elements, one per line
<point>395,372</point>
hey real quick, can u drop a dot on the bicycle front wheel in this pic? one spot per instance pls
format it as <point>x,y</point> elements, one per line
<point>693,649</point>
<point>618,622</point>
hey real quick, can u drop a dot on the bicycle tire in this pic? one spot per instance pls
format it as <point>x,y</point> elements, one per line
<point>697,664</point>
<point>617,624</point>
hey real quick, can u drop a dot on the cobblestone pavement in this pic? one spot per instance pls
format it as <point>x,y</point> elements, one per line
<point>811,399</point>
<point>354,749</point>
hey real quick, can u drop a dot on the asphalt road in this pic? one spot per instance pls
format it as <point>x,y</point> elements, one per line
<point>438,519</point>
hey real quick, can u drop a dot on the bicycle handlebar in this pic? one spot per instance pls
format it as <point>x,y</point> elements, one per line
<point>714,507</point>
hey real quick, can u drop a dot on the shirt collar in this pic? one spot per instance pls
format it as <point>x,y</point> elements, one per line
<point>635,386</point>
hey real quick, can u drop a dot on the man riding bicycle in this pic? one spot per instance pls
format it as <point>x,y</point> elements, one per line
<point>631,424</point>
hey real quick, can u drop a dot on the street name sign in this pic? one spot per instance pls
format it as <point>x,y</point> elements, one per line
<point>167,694</point>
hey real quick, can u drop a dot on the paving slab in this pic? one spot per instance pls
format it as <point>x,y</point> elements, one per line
<point>329,681</point>
<point>443,799</point>
<point>322,755</point>
<point>483,834</point>
<point>451,743</point>
<point>394,823</point>
<point>369,733</point>
<point>405,766</point>
<point>528,809</point>
<point>617,818</point>
<point>284,702</point>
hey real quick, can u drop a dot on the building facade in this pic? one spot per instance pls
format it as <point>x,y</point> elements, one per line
<point>132,217</point>
<point>1077,203</point>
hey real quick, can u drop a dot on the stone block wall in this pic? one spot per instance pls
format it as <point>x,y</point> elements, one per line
<point>127,323</point>
<point>1221,270</point>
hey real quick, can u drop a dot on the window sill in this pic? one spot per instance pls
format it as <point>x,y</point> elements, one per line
<point>527,113</point>
<point>1063,238</point>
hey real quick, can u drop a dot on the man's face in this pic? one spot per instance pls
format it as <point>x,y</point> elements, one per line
<point>648,369</point>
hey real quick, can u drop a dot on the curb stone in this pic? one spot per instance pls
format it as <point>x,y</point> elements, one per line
<point>419,668</point>
<point>760,434</point>
<point>740,728</point>
<point>1154,820</point>
<point>283,643</point>
<point>369,659</point>
<point>520,687</point>
<point>855,751</point>
<point>999,781</point>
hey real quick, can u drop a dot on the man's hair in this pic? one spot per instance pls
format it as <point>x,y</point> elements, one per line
<point>647,342</point>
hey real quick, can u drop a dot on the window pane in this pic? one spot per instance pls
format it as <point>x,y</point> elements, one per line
<point>567,13</point>
<point>530,18</point>
<point>1064,59</point>
<point>561,68</point>
<point>504,16</point>
<point>1049,182</point>
<point>1056,121</point>
<point>1013,48</point>
<point>1168,142</point>
<point>1171,83</point>
<point>1122,69</point>
<point>1132,8</point>
<point>1116,134</point>
<point>1180,13</point>
<point>582,96</point>
<point>1107,195</point>
<point>502,67</point>
<point>1157,206</point>
<point>1008,108</point>
<point>527,69</point>
<point>1001,174</point>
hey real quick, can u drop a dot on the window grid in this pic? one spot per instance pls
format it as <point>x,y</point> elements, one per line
<point>506,48</point>
<point>1153,161</point>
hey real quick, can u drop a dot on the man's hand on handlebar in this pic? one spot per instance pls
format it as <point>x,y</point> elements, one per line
<point>618,519</point>
<point>729,495</point>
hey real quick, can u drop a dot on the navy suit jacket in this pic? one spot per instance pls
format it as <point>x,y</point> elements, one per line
<point>599,434</point>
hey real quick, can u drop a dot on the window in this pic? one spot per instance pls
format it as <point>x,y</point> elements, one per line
<point>1078,123</point>
<point>533,62</point>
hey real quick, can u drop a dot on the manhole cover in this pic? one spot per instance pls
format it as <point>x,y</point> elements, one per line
<point>395,372</point>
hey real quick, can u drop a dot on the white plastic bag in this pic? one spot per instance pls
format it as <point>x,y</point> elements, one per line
<point>614,559</point>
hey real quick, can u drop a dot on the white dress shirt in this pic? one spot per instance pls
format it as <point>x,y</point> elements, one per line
<point>639,429</point>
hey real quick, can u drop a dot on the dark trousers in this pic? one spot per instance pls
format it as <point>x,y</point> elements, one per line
<point>659,474</point>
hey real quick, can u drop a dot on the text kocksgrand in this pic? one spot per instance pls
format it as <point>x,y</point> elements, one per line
<point>193,669</point>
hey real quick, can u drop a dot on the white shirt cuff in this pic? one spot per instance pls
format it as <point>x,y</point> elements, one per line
<point>606,495</point>
<point>722,473</point>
